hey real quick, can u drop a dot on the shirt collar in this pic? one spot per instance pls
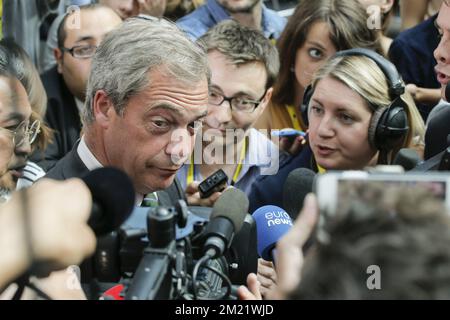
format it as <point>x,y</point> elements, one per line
<point>88,158</point>
<point>91,162</point>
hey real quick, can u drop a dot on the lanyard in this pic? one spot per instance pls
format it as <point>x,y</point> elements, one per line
<point>191,173</point>
<point>295,122</point>
<point>321,170</point>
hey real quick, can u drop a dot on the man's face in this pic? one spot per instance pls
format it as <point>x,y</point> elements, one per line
<point>238,6</point>
<point>14,109</point>
<point>156,133</point>
<point>442,52</point>
<point>124,8</point>
<point>94,24</point>
<point>246,81</point>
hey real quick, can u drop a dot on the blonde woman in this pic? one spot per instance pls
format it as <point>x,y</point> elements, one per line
<point>358,117</point>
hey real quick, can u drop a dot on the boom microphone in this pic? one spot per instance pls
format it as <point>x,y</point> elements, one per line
<point>298,184</point>
<point>272,223</point>
<point>113,199</point>
<point>227,218</point>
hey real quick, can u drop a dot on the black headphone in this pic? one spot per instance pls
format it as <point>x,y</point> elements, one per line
<point>389,125</point>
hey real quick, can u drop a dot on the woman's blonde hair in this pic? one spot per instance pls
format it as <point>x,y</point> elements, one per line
<point>362,75</point>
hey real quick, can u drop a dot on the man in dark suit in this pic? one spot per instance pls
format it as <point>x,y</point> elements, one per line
<point>141,115</point>
<point>79,35</point>
<point>142,107</point>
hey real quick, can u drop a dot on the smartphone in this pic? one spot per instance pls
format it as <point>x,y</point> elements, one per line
<point>331,187</point>
<point>214,183</point>
<point>288,133</point>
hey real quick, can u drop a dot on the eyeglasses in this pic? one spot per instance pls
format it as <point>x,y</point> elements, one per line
<point>236,103</point>
<point>25,132</point>
<point>81,52</point>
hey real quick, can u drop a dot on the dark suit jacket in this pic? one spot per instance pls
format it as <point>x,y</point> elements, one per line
<point>62,116</point>
<point>71,166</point>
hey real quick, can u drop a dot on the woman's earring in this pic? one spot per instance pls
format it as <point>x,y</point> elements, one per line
<point>292,69</point>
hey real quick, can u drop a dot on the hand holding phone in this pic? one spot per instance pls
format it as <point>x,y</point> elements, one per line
<point>216,182</point>
<point>291,140</point>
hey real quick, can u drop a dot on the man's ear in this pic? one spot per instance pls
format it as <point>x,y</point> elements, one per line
<point>59,59</point>
<point>266,100</point>
<point>263,105</point>
<point>103,108</point>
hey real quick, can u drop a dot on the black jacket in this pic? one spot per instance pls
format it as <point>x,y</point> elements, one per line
<point>71,166</point>
<point>62,116</point>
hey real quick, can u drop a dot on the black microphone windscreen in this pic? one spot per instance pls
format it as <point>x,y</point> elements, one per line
<point>298,184</point>
<point>233,205</point>
<point>447,92</point>
<point>113,198</point>
<point>407,158</point>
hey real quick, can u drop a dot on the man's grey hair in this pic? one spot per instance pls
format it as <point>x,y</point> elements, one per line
<point>128,53</point>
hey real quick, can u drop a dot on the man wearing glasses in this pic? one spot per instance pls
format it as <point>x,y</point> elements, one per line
<point>244,65</point>
<point>16,132</point>
<point>79,35</point>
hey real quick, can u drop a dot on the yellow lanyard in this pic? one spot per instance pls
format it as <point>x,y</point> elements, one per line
<point>190,175</point>
<point>293,116</point>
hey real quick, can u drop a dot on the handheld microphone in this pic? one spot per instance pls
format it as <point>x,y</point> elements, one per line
<point>298,184</point>
<point>112,202</point>
<point>272,223</point>
<point>227,218</point>
<point>113,199</point>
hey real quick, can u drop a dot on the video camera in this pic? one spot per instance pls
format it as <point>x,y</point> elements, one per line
<point>165,266</point>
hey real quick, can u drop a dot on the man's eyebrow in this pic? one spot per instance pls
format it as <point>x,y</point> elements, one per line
<point>165,106</point>
<point>176,110</point>
<point>85,38</point>
<point>213,86</point>
<point>237,94</point>
<point>15,116</point>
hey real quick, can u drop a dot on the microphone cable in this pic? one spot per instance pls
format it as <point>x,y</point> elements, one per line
<point>225,279</point>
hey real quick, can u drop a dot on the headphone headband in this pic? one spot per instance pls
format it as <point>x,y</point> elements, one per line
<point>395,82</point>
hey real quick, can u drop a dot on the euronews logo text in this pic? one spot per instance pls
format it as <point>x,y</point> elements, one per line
<point>274,218</point>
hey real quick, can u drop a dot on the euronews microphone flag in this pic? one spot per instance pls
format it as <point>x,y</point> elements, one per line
<point>272,223</point>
